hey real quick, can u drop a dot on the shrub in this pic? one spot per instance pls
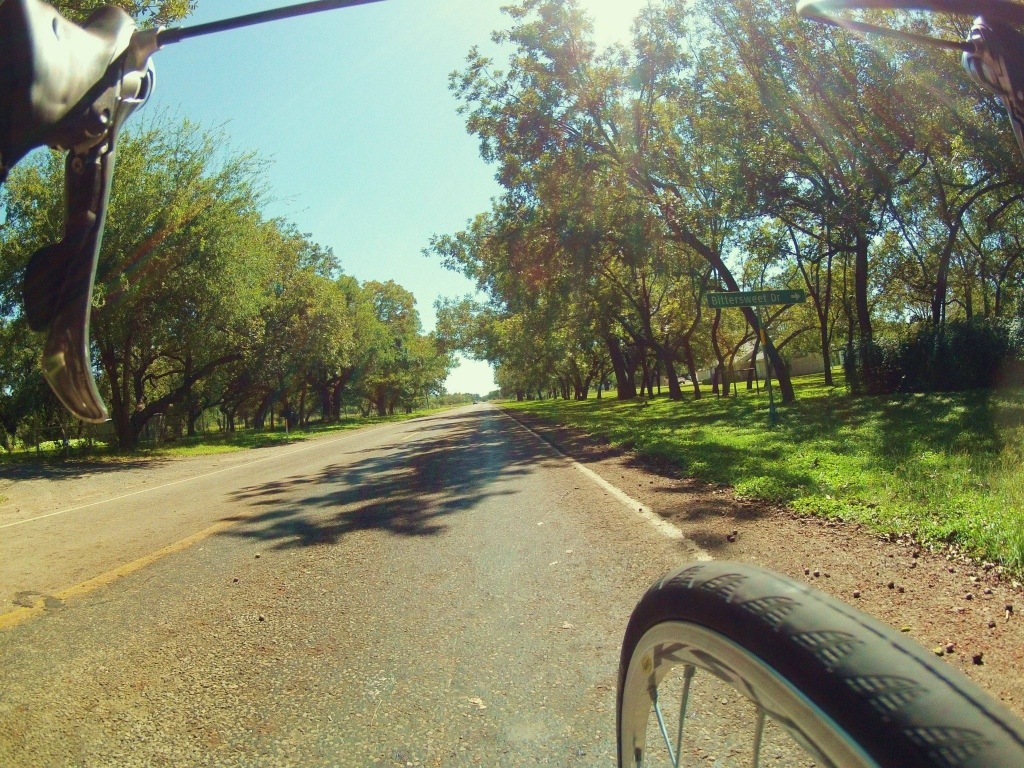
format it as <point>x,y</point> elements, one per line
<point>953,356</point>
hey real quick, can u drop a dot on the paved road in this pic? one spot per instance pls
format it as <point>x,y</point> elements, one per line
<point>447,591</point>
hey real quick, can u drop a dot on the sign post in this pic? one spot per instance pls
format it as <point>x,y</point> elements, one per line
<point>756,300</point>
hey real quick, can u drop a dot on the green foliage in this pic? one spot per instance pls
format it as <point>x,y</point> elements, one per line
<point>770,489</point>
<point>407,365</point>
<point>954,356</point>
<point>946,468</point>
<point>202,305</point>
<point>451,399</point>
<point>147,12</point>
<point>729,146</point>
<point>204,443</point>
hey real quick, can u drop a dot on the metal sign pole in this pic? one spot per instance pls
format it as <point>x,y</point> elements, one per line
<point>773,415</point>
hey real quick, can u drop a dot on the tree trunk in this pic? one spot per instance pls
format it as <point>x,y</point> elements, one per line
<point>826,354</point>
<point>722,380</point>
<point>860,278</point>
<point>326,403</point>
<point>259,419</point>
<point>691,367</point>
<point>941,286</point>
<point>336,391</point>
<point>645,376</point>
<point>688,238</point>
<point>626,387</point>
<point>752,370</point>
<point>674,392</point>
<point>127,437</point>
<point>192,417</point>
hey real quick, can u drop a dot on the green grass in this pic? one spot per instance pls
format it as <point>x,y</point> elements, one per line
<point>205,444</point>
<point>945,468</point>
<point>241,440</point>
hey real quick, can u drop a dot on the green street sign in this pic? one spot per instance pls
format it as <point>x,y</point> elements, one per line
<point>755,298</point>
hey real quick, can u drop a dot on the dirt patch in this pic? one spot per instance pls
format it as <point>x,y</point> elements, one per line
<point>967,612</point>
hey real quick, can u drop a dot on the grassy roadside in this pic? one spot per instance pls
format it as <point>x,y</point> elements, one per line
<point>946,468</point>
<point>208,443</point>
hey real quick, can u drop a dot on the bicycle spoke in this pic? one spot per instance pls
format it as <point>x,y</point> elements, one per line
<point>664,731</point>
<point>758,736</point>
<point>684,701</point>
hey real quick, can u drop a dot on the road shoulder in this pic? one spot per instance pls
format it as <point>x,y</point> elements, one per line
<point>943,600</point>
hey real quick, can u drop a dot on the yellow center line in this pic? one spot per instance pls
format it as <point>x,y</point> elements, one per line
<point>23,614</point>
<point>20,615</point>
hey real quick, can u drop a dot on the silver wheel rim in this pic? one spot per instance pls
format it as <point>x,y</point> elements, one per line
<point>689,650</point>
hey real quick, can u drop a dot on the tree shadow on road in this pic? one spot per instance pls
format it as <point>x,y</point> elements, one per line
<point>73,469</point>
<point>407,487</point>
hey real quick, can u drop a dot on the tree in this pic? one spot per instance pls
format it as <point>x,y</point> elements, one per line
<point>406,364</point>
<point>562,122</point>
<point>730,146</point>
<point>178,270</point>
<point>146,12</point>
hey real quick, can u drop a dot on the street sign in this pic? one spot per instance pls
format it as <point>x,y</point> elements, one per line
<point>755,298</point>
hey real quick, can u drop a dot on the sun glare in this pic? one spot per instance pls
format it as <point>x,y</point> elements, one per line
<point>613,19</point>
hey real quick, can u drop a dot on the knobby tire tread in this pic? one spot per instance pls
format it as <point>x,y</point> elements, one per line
<point>903,705</point>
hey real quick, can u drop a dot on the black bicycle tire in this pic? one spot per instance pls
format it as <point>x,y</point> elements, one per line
<point>903,706</point>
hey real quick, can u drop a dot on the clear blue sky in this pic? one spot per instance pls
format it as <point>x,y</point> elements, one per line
<point>353,110</point>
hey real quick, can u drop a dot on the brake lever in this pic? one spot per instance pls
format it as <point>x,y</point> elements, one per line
<point>996,64</point>
<point>71,87</point>
<point>992,55</point>
<point>59,277</point>
<point>59,280</point>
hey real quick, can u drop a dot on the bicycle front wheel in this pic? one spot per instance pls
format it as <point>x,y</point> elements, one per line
<point>809,675</point>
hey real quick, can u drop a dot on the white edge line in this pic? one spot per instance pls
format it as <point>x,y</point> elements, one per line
<point>300,449</point>
<point>656,521</point>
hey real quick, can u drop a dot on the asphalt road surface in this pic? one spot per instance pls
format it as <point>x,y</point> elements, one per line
<point>448,591</point>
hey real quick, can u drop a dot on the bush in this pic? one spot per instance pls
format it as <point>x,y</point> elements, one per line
<point>953,356</point>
